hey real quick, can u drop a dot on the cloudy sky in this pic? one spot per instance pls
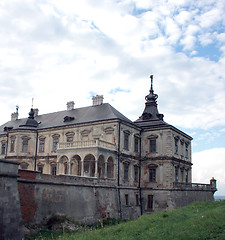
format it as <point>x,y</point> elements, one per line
<point>56,51</point>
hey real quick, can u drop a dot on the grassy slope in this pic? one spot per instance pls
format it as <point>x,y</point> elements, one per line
<point>200,220</point>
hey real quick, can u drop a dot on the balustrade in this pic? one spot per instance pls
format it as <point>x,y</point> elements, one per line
<point>87,144</point>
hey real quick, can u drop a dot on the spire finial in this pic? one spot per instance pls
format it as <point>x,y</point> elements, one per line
<point>151,77</point>
<point>32,103</point>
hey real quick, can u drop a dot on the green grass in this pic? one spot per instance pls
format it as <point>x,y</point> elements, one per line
<point>200,220</point>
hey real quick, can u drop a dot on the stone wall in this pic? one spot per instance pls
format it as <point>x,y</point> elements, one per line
<point>85,200</point>
<point>183,198</point>
<point>10,214</point>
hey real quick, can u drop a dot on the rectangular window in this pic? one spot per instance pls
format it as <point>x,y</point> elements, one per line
<point>53,170</point>
<point>136,173</point>
<point>126,141</point>
<point>186,150</point>
<point>126,170</point>
<point>3,148</point>
<point>152,175</point>
<point>41,145</point>
<point>25,146</point>
<point>176,174</point>
<point>136,144</point>
<point>69,139</point>
<point>152,145</point>
<point>12,145</point>
<point>127,199</point>
<point>137,200</point>
<point>150,202</point>
<point>176,146</point>
<point>55,144</point>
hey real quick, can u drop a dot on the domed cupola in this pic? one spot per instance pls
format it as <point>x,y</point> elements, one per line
<point>150,116</point>
<point>31,122</point>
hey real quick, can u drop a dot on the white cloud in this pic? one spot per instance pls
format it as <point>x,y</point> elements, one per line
<point>54,48</point>
<point>208,164</point>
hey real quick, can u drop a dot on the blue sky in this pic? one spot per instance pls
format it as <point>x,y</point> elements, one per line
<point>57,51</point>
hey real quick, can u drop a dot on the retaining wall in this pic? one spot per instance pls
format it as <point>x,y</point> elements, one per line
<point>10,214</point>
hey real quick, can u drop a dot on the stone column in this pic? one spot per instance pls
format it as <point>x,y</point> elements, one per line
<point>82,168</point>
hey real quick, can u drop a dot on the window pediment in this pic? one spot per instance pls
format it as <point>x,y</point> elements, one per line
<point>85,132</point>
<point>25,137</point>
<point>42,138</point>
<point>127,132</point>
<point>70,134</point>
<point>55,136</point>
<point>109,130</point>
<point>152,165</point>
<point>152,136</point>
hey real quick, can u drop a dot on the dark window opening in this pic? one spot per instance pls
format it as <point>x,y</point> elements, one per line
<point>65,168</point>
<point>53,170</point>
<point>136,173</point>
<point>126,170</point>
<point>150,202</point>
<point>40,169</point>
<point>126,199</point>
<point>152,175</point>
<point>176,174</point>
<point>42,145</point>
<point>55,144</point>
<point>3,148</point>
<point>137,200</point>
<point>69,139</point>
<point>152,145</point>
<point>126,141</point>
<point>12,145</point>
<point>136,144</point>
<point>25,146</point>
<point>186,150</point>
<point>176,146</point>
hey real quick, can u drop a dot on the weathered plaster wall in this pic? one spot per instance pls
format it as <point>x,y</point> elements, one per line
<point>85,200</point>
<point>10,215</point>
<point>183,198</point>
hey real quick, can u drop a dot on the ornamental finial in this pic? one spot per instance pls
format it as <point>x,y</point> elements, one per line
<point>151,77</point>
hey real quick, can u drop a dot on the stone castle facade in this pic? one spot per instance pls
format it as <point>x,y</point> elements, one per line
<point>147,162</point>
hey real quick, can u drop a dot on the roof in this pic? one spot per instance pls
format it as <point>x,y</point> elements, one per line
<point>89,114</point>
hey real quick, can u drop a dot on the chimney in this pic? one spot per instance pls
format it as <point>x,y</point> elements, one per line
<point>36,112</point>
<point>97,100</point>
<point>15,115</point>
<point>70,105</point>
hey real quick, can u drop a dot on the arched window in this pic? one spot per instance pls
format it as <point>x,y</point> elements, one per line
<point>76,165</point>
<point>89,165</point>
<point>63,165</point>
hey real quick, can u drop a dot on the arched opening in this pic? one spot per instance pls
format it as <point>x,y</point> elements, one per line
<point>101,166</point>
<point>110,168</point>
<point>63,165</point>
<point>76,165</point>
<point>89,166</point>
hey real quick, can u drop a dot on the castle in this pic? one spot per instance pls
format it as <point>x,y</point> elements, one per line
<point>146,164</point>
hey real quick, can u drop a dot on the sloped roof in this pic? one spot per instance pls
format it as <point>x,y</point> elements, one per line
<point>89,114</point>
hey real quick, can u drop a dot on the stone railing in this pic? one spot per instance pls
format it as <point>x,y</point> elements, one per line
<point>87,144</point>
<point>194,186</point>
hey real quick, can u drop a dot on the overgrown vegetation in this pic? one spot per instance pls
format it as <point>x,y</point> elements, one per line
<point>200,220</point>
